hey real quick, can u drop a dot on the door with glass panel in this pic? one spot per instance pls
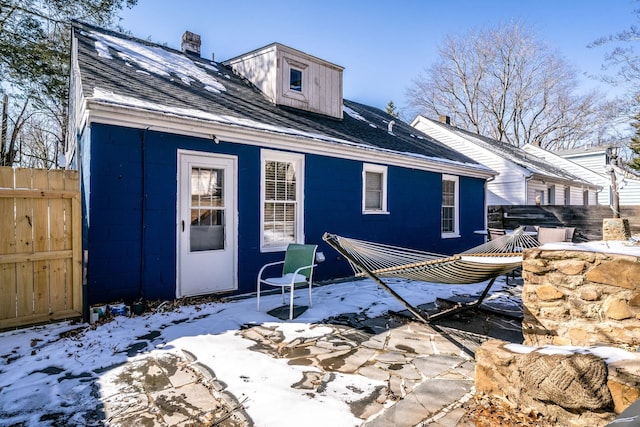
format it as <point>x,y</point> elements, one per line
<point>206,224</point>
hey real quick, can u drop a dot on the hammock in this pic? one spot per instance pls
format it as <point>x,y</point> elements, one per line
<point>484,262</point>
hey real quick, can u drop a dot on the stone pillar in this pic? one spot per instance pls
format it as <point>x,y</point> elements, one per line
<point>615,229</point>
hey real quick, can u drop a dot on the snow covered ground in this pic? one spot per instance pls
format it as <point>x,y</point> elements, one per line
<point>67,372</point>
<point>65,369</point>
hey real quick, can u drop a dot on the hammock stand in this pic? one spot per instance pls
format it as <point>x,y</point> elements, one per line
<point>485,262</point>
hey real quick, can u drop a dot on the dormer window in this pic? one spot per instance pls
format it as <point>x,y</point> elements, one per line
<point>296,71</point>
<point>295,80</point>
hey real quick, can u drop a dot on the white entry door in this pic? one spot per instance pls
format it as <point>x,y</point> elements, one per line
<point>207,230</point>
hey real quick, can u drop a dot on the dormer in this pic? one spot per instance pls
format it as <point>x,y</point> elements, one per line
<point>292,78</point>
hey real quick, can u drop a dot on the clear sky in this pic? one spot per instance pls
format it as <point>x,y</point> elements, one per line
<point>383,45</point>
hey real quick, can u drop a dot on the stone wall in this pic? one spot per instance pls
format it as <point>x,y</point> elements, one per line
<point>581,297</point>
<point>586,296</point>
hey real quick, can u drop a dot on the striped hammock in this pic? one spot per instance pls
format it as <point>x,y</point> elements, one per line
<point>489,260</point>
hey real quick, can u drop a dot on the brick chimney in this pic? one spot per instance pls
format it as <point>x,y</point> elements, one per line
<point>191,43</point>
<point>444,119</point>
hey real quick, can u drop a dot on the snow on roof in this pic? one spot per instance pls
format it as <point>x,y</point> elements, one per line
<point>183,86</point>
<point>157,60</point>
<point>112,98</point>
<point>353,113</point>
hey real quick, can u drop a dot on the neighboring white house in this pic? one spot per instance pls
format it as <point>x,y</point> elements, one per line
<point>596,160</point>
<point>524,179</point>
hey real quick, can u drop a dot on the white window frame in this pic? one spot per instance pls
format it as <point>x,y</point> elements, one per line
<point>456,211</point>
<point>298,161</point>
<point>288,64</point>
<point>368,167</point>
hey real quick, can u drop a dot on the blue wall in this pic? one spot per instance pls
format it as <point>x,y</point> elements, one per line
<point>131,239</point>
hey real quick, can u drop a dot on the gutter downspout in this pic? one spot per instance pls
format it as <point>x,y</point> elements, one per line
<point>143,205</point>
<point>486,200</point>
<point>526,188</point>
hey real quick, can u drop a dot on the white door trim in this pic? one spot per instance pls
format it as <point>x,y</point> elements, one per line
<point>233,217</point>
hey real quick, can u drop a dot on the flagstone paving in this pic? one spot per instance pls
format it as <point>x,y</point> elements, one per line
<point>427,370</point>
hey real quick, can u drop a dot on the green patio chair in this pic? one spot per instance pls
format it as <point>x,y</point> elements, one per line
<point>298,264</point>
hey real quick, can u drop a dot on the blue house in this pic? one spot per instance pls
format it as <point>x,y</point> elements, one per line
<point>195,173</point>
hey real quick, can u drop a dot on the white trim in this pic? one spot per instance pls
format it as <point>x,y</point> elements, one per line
<point>298,161</point>
<point>368,167</point>
<point>288,65</point>
<point>118,115</point>
<point>456,212</point>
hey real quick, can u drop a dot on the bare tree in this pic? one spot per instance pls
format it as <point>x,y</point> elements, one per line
<point>622,62</point>
<point>12,125</point>
<point>621,69</point>
<point>34,70</point>
<point>505,84</point>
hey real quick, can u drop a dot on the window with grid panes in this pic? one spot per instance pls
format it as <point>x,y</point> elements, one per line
<point>281,201</point>
<point>449,215</point>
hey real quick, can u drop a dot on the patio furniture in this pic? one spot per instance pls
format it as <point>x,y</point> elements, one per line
<point>570,231</point>
<point>550,235</point>
<point>297,269</point>
<point>494,233</point>
<point>478,264</point>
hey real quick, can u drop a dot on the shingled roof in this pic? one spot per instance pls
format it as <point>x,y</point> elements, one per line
<point>126,72</point>
<point>516,155</point>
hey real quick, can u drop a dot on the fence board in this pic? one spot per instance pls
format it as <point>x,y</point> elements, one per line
<point>24,243</point>
<point>40,232</point>
<point>61,294</point>
<point>8,307</point>
<point>40,246</point>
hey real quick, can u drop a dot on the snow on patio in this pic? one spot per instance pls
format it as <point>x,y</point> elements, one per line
<point>64,371</point>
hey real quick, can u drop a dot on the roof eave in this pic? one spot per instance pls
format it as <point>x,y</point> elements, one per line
<point>98,111</point>
<point>547,178</point>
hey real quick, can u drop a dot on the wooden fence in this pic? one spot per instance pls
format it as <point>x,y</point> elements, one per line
<point>586,219</point>
<point>40,246</point>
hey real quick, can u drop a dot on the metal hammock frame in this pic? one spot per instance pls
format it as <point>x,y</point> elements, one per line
<point>485,262</point>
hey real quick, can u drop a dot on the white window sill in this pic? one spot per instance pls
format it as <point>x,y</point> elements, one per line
<point>267,249</point>
<point>293,94</point>
<point>450,235</point>
<point>375,212</point>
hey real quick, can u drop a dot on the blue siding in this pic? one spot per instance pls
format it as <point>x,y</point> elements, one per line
<point>333,203</point>
<point>130,182</point>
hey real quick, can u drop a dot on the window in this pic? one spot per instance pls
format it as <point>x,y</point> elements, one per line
<point>551,191</point>
<point>207,209</point>
<point>374,189</point>
<point>294,74</point>
<point>282,204</point>
<point>585,198</point>
<point>295,80</point>
<point>567,196</point>
<point>450,216</point>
